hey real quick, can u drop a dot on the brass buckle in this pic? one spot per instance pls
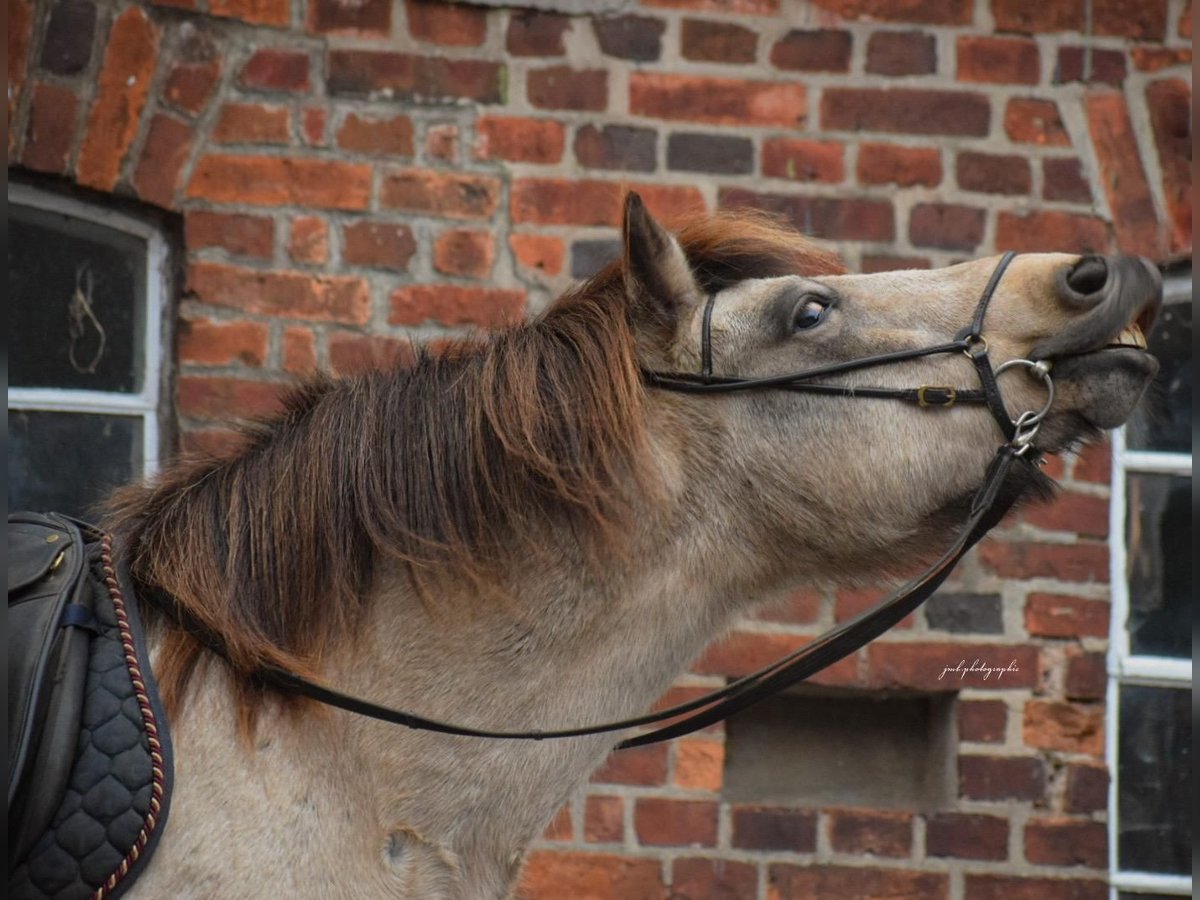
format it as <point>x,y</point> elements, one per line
<point>950,395</point>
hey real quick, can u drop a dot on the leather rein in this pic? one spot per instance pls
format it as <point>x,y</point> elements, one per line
<point>997,495</point>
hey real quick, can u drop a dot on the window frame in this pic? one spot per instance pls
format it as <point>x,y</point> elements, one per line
<point>1124,667</point>
<point>146,403</point>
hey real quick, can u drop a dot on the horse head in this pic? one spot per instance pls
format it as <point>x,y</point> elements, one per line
<point>830,470</point>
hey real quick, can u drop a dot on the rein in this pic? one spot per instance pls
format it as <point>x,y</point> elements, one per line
<point>991,502</point>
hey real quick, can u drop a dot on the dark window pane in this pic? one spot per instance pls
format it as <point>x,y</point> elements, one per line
<point>1154,780</point>
<point>1163,420</point>
<point>68,462</point>
<point>76,309</point>
<point>1159,532</point>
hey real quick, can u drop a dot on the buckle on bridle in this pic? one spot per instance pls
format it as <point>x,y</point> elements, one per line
<point>942,395</point>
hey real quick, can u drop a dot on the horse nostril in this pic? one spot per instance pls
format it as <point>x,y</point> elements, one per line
<point>1088,276</point>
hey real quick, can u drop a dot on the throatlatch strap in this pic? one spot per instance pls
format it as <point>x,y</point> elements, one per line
<point>706,337</point>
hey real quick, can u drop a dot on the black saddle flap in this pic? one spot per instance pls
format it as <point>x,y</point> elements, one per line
<point>49,620</point>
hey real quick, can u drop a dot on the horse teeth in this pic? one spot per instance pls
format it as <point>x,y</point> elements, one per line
<point>1132,335</point>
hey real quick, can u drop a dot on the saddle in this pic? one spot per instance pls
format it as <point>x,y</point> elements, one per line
<point>90,763</point>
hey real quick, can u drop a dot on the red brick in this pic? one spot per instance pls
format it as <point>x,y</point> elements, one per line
<point>253,123</point>
<point>1070,727</point>
<point>931,666</point>
<point>1029,121</point>
<point>897,53</point>
<point>742,7</point>
<point>641,766</point>
<point>1002,778</point>
<point>441,142</point>
<point>560,202</point>
<point>208,343</point>
<point>876,263</point>
<point>992,173</point>
<point>205,397</point>
<point>449,24</point>
<point>70,33</point>
<point>1184,27</point>
<point>700,765</point>
<point>1144,20</point>
<point>604,820</point>
<point>927,12</point>
<point>538,252</point>
<point>535,33</point>
<point>272,181</point>
<point>377,136</point>
<point>271,69</point>
<point>299,350</point>
<point>946,225</point>
<point>353,353</point>
<point>906,110</point>
<point>903,166</point>
<point>823,50</point>
<point>816,880</point>
<point>799,160</point>
<point>1087,676</point>
<point>256,12</point>
<point>1037,16</point>
<point>712,879</point>
<point>519,139</point>
<point>998,60</point>
<point>313,122</point>
<point>851,602</point>
<point>983,721</point>
<point>832,218</point>
<point>309,240</point>
<point>212,442</point>
<point>637,38</point>
<point>1170,102</point>
<point>238,234</point>
<point>452,304</point>
<point>121,92</point>
<point>1086,788</point>
<point>744,652</point>
<point>406,78</point>
<point>165,153</point>
<point>362,17</point>
<point>446,194</point>
<point>1092,65</point>
<point>20,36</point>
<point>381,245</point>
<point>1094,463</point>
<point>617,147</point>
<point>466,253</point>
<point>871,833</point>
<point>1055,615</point>
<point>560,827</point>
<point>1084,514</point>
<point>1063,179</point>
<point>1048,231</point>
<point>190,83</point>
<point>592,875</point>
<point>801,608</point>
<point>1155,59</point>
<point>50,129</point>
<point>719,42</point>
<point>774,828</point>
<point>659,822</point>
<point>1122,175</point>
<point>324,298</point>
<point>561,87</point>
<point>1007,887</point>
<point>966,836</point>
<point>1066,562</point>
<point>720,101</point>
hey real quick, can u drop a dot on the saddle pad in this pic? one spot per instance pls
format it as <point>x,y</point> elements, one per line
<point>116,803</point>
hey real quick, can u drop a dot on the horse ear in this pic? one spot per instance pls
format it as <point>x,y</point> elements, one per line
<point>657,275</point>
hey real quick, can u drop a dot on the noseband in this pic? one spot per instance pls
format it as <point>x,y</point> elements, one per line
<point>999,492</point>
<point>969,341</point>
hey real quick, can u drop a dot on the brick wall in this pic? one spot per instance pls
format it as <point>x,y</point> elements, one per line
<point>351,175</point>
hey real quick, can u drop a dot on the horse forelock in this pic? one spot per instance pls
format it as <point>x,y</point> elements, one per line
<point>455,466</point>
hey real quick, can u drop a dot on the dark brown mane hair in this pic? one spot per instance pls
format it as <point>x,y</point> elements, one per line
<point>450,466</point>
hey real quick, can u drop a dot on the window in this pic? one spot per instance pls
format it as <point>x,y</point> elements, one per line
<point>1150,667</point>
<point>87,287</point>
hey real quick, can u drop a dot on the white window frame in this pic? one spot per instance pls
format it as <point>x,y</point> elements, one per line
<point>1125,667</point>
<point>145,404</point>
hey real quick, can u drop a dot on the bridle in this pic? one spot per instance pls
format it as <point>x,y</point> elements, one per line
<point>1001,488</point>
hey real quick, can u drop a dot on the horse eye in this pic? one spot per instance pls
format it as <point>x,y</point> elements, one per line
<point>809,313</point>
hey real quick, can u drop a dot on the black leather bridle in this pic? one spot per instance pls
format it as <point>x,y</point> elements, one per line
<point>1002,487</point>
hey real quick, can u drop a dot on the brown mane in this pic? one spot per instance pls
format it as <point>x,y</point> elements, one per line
<point>448,465</point>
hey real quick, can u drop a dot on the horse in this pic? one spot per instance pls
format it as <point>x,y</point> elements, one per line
<point>531,530</point>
